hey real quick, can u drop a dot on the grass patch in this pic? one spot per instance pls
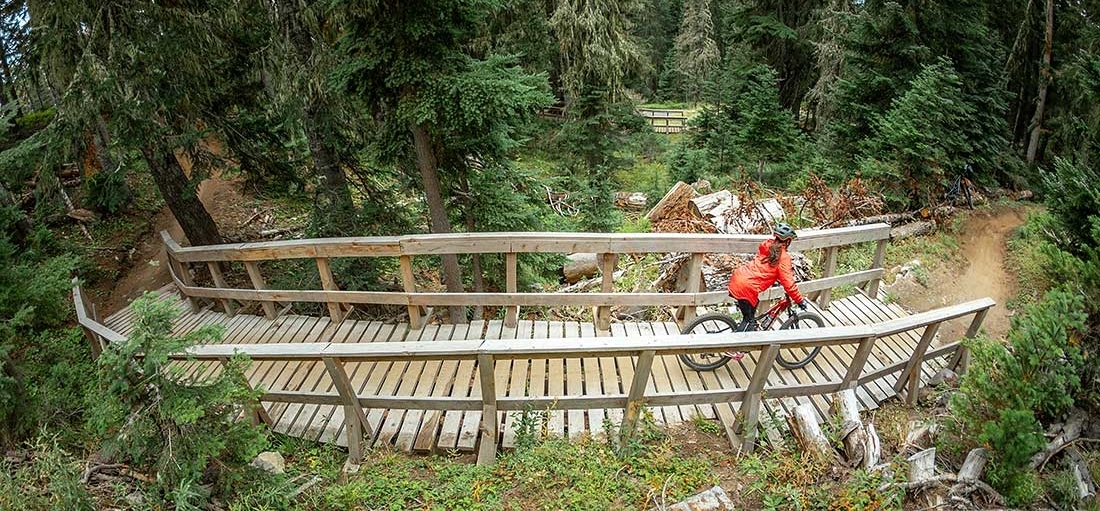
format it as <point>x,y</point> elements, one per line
<point>1025,259</point>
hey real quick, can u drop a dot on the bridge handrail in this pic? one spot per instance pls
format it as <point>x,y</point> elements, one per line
<point>643,349</point>
<point>607,246</point>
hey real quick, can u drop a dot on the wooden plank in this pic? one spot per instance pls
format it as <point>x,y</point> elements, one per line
<point>593,383</point>
<point>408,380</point>
<point>462,386</point>
<point>433,420</point>
<point>471,421</point>
<point>662,381</point>
<point>511,313</point>
<point>357,420</point>
<point>555,382</point>
<point>673,373</point>
<point>330,421</point>
<point>304,418</point>
<point>518,385</point>
<point>384,380</point>
<point>574,385</point>
<point>366,377</point>
<point>490,423</point>
<point>219,281</point>
<point>684,379</point>
<point>842,311</point>
<point>406,436</point>
<point>633,330</point>
<point>537,381</point>
<point>408,282</point>
<point>282,372</point>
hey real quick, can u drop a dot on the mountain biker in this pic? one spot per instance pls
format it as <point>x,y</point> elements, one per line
<point>772,263</point>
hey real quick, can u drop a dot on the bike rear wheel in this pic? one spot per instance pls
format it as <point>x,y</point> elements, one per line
<point>709,323</point>
<point>795,358</point>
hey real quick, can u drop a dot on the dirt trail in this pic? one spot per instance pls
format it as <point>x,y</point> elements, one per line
<point>983,245</point>
<point>149,266</point>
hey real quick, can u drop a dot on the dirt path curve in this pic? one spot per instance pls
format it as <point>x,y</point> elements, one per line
<point>149,270</point>
<point>983,244</point>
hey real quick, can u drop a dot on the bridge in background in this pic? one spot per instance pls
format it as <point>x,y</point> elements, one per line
<point>441,387</point>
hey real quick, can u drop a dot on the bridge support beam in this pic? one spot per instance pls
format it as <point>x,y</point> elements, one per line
<point>748,415</point>
<point>354,416</point>
<point>487,452</point>
<point>909,380</point>
<point>635,397</point>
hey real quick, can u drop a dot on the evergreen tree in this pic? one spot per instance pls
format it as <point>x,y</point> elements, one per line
<point>696,52</point>
<point>919,138</point>
<point>433,103</point>
<point>599,52</point>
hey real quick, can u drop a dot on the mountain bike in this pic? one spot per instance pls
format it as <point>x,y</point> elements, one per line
<point>718,322</point>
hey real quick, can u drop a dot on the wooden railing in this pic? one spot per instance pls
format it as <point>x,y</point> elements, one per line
<point>642,349</point>
<point>665,121</point>
<point>184,260</point>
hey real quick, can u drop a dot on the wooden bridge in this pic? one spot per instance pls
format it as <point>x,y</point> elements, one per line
<point>442,387</point>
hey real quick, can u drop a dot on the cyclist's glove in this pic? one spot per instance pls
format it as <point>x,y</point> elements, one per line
<point>802,305</point>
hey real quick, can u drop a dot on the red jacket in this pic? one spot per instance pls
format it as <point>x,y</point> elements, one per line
<point>753,277</point>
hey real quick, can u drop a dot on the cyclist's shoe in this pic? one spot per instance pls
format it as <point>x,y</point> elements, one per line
<point>802,305</point>
<point>735,356</point>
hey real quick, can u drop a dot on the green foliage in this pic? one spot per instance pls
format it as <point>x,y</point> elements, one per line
<point>50,481</point>
<point>108,191</point>
<point>33,293</point>
<point>163,421</point>
<point>1010,387</point>
<point>916,140</point>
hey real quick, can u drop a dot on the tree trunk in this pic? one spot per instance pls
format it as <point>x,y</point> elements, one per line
<point>23,224</point>
<point>181,198</point>
<point>333,209</point>
<point>475,259</point>
<point>332,199</point>
<point>1045,76</point>
<point>429,171</point>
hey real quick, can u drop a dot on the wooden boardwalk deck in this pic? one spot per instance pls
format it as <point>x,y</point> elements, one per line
<point>440,431</point>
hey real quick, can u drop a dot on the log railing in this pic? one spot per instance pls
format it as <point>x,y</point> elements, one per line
<point>185,260</point>
<point>641,349</point>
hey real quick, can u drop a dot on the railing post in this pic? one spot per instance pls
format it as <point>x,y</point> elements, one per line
<point>830,269</point>
<point>487,452</point>
<point>258,284</point>
<point>694,269</point>
<point>355,421</point>
<point>748,415</point>
<point>95,342</point>
<point>329,284</point>
<point>851,379</point>
<point>909,379</point>
<point>511,313</point>
<point>880,256</point>
<point>408,281</point>
<point>635,398</point>
<point>219,281</point>
<point>258,414</point>
<point>607,285</point>
<point>961,360</point>
<point>181,270</point>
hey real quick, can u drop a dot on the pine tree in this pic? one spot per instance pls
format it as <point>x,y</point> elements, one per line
<point>696,52</point>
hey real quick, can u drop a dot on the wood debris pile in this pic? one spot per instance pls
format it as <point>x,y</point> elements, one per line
<point>852,201</point>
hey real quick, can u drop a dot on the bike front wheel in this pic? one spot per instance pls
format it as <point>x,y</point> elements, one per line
<point>710,323</point>
<point>795,358</point>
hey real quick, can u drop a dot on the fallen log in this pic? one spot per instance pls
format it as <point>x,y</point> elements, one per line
<point>911,229</point>
<point>713,204</point>
<point>630,200</point>
<point>579,266</point>
<point>889,218</point>
<point>1086,487</point>
<point>1069,432</point>
<point>676,197</point>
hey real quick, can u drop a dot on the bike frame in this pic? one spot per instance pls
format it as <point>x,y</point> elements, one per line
<point>767,319</point>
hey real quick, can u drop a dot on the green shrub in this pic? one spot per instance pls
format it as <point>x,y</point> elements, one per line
<point>1008,388</point>
<point>49,481</point>
<point>183,429</point>
<point>108,191</point>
